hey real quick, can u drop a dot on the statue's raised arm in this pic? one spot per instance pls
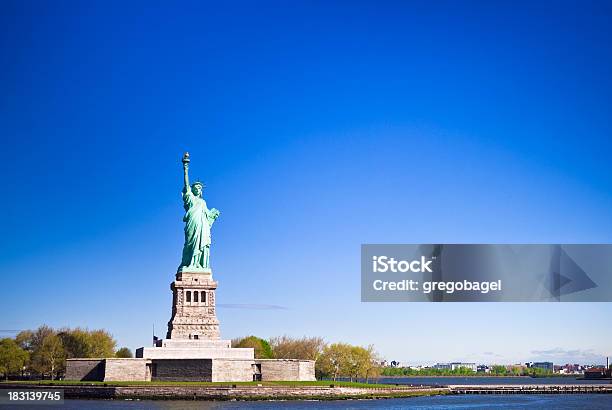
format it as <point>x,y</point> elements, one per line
<point>186,160</point>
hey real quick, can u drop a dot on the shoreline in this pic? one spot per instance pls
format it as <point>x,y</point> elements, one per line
<point>270,392</point>
<point>228,392</point>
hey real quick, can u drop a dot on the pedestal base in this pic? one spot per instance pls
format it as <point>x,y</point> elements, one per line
<point>246,353</point>
<point>193,307</point>
<point>195,270</point>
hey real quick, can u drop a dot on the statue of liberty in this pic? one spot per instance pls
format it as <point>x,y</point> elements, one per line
<point>198,221</point>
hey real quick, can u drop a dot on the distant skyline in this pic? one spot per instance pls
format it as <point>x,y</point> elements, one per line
<point>316,127</point>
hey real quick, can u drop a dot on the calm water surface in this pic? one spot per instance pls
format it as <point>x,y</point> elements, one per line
<point>552,401</point>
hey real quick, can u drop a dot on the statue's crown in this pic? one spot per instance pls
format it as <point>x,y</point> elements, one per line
<point>200,183</point>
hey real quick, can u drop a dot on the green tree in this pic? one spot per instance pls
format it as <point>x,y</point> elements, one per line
<point>76,342</point>
<point>498,370</point>
<point>261,346</point>
<point>12,357</point>
<point>353,362</point>
<point>345,360</point>
<point>102,344</point>
<point>124,352</point>
<point>372,366</point>
<point>333,360</point>
<point>87,343</point>
<point>48,348</point>
<point>49,356</point>
<point>516,371</point>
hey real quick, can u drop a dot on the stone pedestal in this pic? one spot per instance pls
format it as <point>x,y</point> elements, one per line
<point>193,350</point>
<point>194,316</point>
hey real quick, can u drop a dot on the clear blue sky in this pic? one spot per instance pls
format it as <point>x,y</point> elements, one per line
<point>317,126</point>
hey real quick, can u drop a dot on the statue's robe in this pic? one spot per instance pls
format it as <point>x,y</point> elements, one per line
<point>197,231</point>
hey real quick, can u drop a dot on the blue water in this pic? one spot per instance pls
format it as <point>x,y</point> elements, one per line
<point>553,401</point>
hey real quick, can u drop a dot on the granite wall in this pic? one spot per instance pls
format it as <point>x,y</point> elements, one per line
<point>286,369</point>
<point>112,369</point>
<point>206,370</point>
<point>125,370</point>
<point>182,370</point>
<point>85,369</point>
<point>232,370</point>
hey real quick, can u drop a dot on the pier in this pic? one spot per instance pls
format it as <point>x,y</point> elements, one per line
<point>532,389</point>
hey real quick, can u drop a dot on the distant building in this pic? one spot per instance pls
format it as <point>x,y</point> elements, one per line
<point>392,363</point>
<point>483,368</point>
<point>599,372</point>
<point>455,366</point>
<point>596,373</point>
<point>547,366</point>
<point>458,365</point>
<point>569,368</point>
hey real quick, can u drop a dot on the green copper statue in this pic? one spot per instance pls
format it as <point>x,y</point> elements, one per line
<point>198,221</point>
